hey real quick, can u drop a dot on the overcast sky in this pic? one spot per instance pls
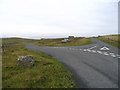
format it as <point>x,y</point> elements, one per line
<point>58,18</point>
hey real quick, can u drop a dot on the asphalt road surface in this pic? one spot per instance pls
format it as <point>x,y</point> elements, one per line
<point>93,66</point>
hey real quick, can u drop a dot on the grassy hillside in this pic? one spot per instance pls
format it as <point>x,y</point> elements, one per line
<point>113,40</point>
<point>46,73</point>
<point>57,42</point>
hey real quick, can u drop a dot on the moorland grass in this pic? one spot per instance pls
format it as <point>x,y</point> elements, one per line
<point>108,39</point>
<point>46,73</point>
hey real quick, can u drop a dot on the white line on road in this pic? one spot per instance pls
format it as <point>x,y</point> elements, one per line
<point>113,55</point>
<point>106,53</point>
<point>84,49</point>
<point>92,47</point>
<point>118,55</point>
<point>88,50</point>
<point>93,51</point>
<point>99,52</point>
<point>104,48</point>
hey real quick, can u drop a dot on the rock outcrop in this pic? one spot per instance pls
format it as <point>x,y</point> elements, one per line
<point>25,60</point>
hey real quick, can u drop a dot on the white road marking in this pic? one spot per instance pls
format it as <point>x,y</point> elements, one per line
<point>113,55</point>
<point>99,52</point>
<point>93,51</point>
<point>105,53</point>
<point>84,49</point>
<point>104,48</point>
<point>92,47</point>
<point>118,55</point>
<point>88,50</point>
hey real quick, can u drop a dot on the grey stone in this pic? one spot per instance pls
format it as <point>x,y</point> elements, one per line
<point>25,60</point>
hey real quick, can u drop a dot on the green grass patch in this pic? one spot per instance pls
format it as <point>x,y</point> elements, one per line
<point>57,42</point>
<point>46,73</point>
<point>113,40</point>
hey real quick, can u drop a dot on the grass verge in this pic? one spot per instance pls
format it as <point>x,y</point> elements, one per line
<point>113,40</point>
<point>46,73</point>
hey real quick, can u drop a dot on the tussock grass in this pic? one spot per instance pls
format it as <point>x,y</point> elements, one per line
<point>46,73</point>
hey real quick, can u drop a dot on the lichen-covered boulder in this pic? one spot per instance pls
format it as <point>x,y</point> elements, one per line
<point>25,60</point>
